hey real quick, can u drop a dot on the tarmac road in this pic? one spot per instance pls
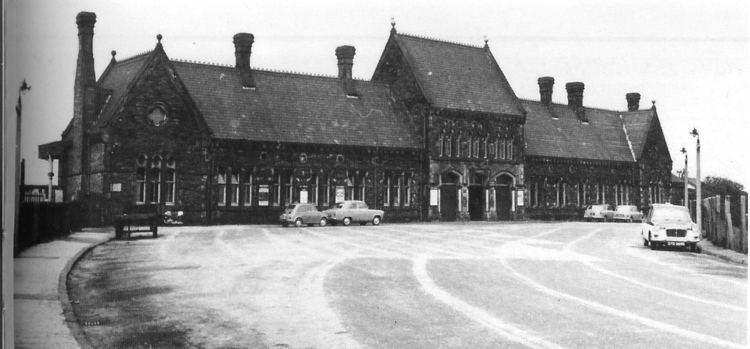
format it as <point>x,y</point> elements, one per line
<point>483,285</point>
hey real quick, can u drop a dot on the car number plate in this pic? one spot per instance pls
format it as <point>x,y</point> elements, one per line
<point>674,243</point>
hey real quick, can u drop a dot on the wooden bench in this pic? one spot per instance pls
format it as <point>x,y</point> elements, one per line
<point>135,217</point>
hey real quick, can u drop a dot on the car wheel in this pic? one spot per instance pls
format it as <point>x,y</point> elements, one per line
<point>323,222</point>
<point>347,221</point>
<point>651,243</point>
<point>376,220</point>
<point>645,242</point>
<point>298,222</point>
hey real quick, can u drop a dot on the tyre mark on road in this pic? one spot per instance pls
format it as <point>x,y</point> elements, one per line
<point>588,263</point>
<point>478,315</point>
<point>442,250</point>
<point>621,313</point>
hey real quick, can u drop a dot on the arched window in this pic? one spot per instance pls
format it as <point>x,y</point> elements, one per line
<point>247,189</point>
<point>234,188</point>
<point>221,187</point>
<point>170,177</point>
<point>406,189</point>
<point>140,179</point>
<point>154,175</point>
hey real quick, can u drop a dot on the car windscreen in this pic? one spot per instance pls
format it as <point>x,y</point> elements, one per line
<point>289,209</point>
<point>671,214</point>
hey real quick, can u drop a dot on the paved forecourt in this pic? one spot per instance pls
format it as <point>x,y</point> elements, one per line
<point>483,285</point>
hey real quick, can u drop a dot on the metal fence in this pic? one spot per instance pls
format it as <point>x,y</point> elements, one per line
<point>724,221</point>
<point>43,221</point>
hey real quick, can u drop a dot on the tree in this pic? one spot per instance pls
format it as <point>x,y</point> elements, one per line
<point>722,186</point>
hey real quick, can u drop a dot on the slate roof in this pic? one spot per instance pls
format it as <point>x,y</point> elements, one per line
<point>638,123</point>
<point>566,137</point>
<point>285,107</point>
<point>117,77</point>
<point>288,107</point>
<point>457,76</point>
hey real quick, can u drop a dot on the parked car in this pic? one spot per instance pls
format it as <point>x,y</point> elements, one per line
<point>628,213</point>
<point>350,211</point>
<point>669,225</point>
<point>601,212</point>
<point>299,214</point>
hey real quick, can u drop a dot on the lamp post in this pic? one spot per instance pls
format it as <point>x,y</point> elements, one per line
<point>685,175</point>
<point>698,202</point>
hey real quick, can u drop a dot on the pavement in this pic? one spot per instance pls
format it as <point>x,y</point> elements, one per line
<point>40,294</point>
<point>707,247</point>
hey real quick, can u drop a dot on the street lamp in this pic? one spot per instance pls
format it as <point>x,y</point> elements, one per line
<point>698,202</point>
<point>685,175</point>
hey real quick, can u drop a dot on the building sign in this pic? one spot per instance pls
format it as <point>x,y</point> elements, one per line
<point>263,195</point>
<point>116,187</point>
<point>434,197</point>
<point>519,197</point>
<point>340,193</point>
<point>303,196</point>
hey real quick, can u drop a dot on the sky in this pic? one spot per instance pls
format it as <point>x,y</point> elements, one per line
<point>691,57</point>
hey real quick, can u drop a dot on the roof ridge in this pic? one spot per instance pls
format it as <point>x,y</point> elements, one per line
<point>422,37</point>
<point>138,55</point>
<point>263,69</point>
<point>565,105</point>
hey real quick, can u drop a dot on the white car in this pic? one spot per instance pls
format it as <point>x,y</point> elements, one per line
<point>669,225</point>
<point>628,213</point>
<point>601,212</point>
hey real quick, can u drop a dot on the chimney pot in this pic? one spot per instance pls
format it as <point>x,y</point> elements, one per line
<point>633,99</point>
<point>243,45</point>
<point>545,89</point>
<point>345,56</point>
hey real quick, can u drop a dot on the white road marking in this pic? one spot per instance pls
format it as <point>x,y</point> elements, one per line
<point>638,254</point>
<point>385,253</point>
<point>475,314</point>
<point>623,314</point>
<point>602,270</point>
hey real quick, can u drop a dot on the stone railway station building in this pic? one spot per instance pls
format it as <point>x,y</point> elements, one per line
<point>436,134</point>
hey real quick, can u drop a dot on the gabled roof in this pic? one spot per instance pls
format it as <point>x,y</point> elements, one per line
<point>457,76</point>
<point>116,79</point>
<point>287,107</point>
<point>555,131</point>
<point>638,124</point>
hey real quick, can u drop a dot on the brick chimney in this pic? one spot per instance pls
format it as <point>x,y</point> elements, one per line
<point>243,45</point>
<point>345,56</point>
<point>575,99</point>
<point>85,76</point>
<point>633,99</point>
<point>545,89</point>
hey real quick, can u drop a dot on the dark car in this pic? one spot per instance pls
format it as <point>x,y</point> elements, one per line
<point>299,214</point>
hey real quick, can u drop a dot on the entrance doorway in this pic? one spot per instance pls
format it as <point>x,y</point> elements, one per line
<point>476,197</point>
<point>504,197</point>
<point>476,203</point>
<point>449,196</point>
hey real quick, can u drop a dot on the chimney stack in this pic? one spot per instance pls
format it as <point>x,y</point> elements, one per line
<point>243,45</point>
<point>633,99</point>
<point>345,56</point>
<point>85,65</point>
<point>575,99</point>
<point>545,89</point>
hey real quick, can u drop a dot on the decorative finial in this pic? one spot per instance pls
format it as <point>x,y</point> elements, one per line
<point>114,53</point>
<point>683,150</point>
<point>485,41</point>
<point>393,22</point>
<point>158,37</point>
<point>653,102</point>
